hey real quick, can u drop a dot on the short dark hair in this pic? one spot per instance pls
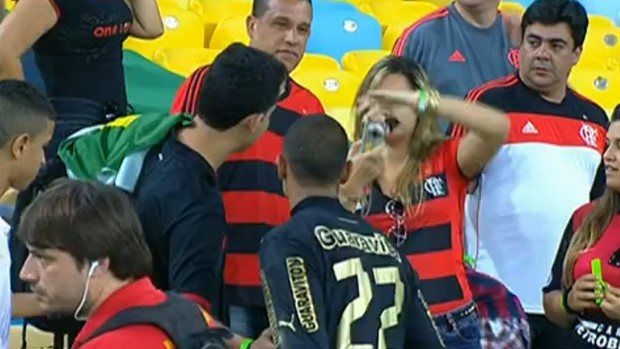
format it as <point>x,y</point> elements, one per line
<point>259,7</point>
<point>89,221</point>
<point>23,109</point>
<point>316,148</point>
<point>615,116</point>
<point>240,82</point>
<point>549,12</point>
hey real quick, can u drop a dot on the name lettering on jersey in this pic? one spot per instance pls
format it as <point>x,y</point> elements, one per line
<point>376,244</point>
<point>589,134</point>
<point>304,304</point>
<point>271,312</point>
<point>104,31</point>
<point>598,335</point>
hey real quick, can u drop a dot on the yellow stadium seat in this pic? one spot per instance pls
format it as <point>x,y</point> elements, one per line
<point>229,30</point>
<point>602,43</point>
<point>390,12</point>
<point>317,61</point>
<point>393,32</point>
<point>440,3</point>
<point>184,61</point>
<point>510,7</point>
<point>34,337</point>
<point>213,11</point>
<point>10,4</point>
<point>9,197</point>
<point>182,29</point>
<point>335,88</point>
<point>598,22</point>
<point>360,62</point>
<point>601,86</point>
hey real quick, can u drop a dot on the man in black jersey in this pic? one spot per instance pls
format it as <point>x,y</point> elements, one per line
<point>329,279</point>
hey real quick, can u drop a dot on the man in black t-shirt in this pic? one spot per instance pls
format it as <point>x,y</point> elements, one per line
<point>330,280</point>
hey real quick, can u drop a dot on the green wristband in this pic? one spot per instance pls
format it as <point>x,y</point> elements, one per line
<point>423,98</point>
<point>246,344</point>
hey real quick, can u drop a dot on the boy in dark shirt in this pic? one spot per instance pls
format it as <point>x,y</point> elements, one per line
<point>330,280</point>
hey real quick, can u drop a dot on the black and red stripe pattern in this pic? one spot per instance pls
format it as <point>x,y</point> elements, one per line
<point>252,193</point>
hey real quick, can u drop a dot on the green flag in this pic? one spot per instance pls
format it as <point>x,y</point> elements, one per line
<point>113,153</point>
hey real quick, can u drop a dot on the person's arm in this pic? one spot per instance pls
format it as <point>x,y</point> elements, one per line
<point>294,323</point>
<point>195,252</point>
<point>147,22</point>
<point>28,21</point>
<point>488,129</point>
<point>552,292</point>
<point>421,330</point>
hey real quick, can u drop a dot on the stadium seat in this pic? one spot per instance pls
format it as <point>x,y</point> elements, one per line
<point>393,32</point>
<point>338,31</point>
<point>316,61</point>
<point>602,43</point>
<point>439,3</point>
<point>336,4</point>
<point>229,30</point>
<point>184,61</point>
<point>510,7</point>
<point>336,89</point>
<point>390,12</point>
<point>601,86</point>
<point>360,62</point>
<point>10,4</point>
<point>182,29</point>
<point>213,11</point>
<point>598,22</point>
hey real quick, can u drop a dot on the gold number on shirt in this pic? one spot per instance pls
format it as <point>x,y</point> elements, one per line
<point>356,309</point>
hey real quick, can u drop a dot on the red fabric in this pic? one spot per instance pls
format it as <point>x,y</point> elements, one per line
<point>138,293</point>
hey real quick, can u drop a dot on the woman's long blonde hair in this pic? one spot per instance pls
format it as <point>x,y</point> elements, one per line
<point>425,137</point>
<point>593,226</point>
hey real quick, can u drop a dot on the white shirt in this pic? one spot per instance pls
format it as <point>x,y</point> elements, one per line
<point>5,285</point>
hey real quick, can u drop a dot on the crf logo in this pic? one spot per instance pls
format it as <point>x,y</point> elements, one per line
<point>435,186</point>
<point>589,135</point>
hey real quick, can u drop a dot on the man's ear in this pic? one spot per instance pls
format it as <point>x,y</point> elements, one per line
<point>282,167</point>
<point>250,25</point>
<point>254,122</point>
<point>346,172</point>
<point>20,145</point>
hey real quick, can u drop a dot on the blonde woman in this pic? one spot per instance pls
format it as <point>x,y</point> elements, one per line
<point>413,187</point>
<point>575,297</point>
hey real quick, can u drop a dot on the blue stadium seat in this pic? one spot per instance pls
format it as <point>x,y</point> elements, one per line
<point>340,30</point>
<point>333,5</point>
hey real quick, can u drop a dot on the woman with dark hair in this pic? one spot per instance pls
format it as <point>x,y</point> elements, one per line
<point>416,183</point>
<point>584,288</point>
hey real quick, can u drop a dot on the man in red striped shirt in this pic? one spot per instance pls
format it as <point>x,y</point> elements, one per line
<point>253,196</point>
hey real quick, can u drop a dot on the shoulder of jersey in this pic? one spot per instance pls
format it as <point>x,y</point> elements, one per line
<point>592,111</point>
<point>428,22</point>
<point>298,88</point>
<point>497,88</point>
<point>581,213</point>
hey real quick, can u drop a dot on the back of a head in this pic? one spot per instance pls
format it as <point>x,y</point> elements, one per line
<point>315,148</point>
<point>23,110</point>
<point>550,12</point>
<point>89,221</point>
<point>241,81</point>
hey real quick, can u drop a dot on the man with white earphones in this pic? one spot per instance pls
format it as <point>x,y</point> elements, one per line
<point>88,257</point>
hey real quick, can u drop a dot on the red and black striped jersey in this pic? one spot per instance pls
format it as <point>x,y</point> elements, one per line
<point>434,233</point>
<point>252,193</point>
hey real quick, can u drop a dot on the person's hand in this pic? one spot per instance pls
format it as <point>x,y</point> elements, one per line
<point>512,24</point>
<point>611,303</point>
<point>366,167</point>
<point>582,296</point>
<point>265,341</point>
<point>389,97</point>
